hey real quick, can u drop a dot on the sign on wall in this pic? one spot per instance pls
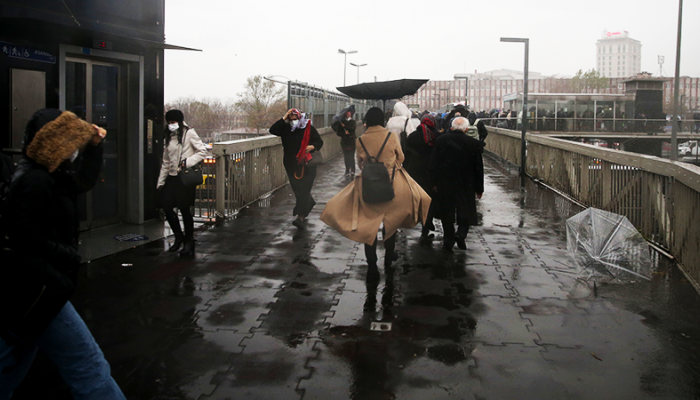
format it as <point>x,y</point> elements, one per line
<point>27,53</point>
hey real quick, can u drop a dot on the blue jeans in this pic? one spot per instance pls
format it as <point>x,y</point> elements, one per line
<point>69,344</point>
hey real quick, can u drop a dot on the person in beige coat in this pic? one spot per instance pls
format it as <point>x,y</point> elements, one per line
<point>348,214</point>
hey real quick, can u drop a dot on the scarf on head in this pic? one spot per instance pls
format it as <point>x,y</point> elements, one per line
<point>428,124</point>
<point>302,120</point>
<point>303,157</point>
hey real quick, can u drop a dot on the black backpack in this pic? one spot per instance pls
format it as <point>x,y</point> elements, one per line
<point>377,186</point>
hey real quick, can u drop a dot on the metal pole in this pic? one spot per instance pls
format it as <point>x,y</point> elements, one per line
<point>358,75</point>
<point>676,88</point>
<point>523,145</point>
<point>345,66</point>
<point>289,95</point>
<point>466,93</point>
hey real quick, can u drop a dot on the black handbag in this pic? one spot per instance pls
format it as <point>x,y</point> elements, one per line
<point>377,186</point>
<point>192,176</point>
<point>316,160</point>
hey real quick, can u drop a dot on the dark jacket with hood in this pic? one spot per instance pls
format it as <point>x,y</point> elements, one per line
<point>41,220</point>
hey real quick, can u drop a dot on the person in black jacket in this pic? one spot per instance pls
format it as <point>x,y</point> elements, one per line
<point>420,145</point>
<point>457,174</point>
<point>299,141</point>
<point>344,126</point>
<point>62,159</point>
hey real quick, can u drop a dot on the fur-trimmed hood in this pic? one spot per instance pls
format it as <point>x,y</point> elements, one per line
<point>58,139</point>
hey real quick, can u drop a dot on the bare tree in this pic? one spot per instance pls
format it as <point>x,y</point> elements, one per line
<point>260,103</point>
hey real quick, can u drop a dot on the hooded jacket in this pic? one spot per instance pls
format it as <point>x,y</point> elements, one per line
<point>398,121</point>
<point>41,218</point>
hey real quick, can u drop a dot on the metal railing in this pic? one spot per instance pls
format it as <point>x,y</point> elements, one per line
<point>324,104</point>
<point>595,124</point>
<point>249,170</point>
<point>660,197</point>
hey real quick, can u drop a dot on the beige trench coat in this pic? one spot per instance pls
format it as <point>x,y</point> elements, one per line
<point>359,221</point>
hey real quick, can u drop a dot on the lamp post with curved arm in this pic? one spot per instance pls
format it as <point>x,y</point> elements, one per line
<point>358,70</point>
<point>345,63</point>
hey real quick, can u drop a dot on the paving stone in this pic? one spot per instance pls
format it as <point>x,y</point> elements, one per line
<point>497,323</point>
<point>532,282</point>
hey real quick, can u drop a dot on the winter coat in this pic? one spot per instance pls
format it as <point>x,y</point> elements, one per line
<point>291,142</point>
<point>348,214</point>
<point>417,160</point>
<point>347,141</point>
<point>401,123</point>
<point>42,220</point>
<point>192,150</point>
<point>457,170</point>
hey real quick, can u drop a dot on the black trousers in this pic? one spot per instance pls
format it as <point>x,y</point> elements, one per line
<point>349,156</point>
<point>175,194</point>
<point>389,246</point>
<point>302,190</point>
<point>448,209</point>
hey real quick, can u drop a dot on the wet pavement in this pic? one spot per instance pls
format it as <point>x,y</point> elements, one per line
<point>268,312</point>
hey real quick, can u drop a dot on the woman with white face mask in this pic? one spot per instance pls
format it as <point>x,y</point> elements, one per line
<point>183,149</point>
<point>300,140</point>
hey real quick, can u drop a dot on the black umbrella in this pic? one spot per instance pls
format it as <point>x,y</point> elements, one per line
<point>383,90</point>
<point>340,115</point>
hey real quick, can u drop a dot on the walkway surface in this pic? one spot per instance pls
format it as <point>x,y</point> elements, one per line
<point>267,312</point>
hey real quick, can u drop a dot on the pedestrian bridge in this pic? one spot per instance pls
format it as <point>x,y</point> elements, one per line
<point>660,197</point>
<point>269,312</point>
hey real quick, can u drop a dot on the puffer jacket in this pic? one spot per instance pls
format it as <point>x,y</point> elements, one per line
<point>41,223</point>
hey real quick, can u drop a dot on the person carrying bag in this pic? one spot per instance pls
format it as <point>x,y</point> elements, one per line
<point>180,174</point>
<point>377,186</point>
<point>372,199</point>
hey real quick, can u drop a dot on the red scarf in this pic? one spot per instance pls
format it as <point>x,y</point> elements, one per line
<point>428,125</point>
<point>303,157</point>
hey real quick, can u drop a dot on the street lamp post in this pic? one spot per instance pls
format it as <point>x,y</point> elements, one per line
<point>523,145</point>
<point>288,82</point>
<point>676,87</point>
<point>345,63</point>
<point>358,70</point>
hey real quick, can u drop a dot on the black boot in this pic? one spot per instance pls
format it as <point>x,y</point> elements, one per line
<point>188,250</point>
<point>179,240</point>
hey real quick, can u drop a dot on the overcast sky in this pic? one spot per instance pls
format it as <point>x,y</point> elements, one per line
<point>421,39</point>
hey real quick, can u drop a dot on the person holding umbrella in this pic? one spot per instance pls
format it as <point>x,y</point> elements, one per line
<point>344,126</point>
<point>299,141</point>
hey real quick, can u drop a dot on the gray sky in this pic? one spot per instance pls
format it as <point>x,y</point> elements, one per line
<point>408,39</point>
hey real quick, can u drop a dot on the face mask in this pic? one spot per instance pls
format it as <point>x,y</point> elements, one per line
<point>173,127</point>
<point>74,156</point>
<point>295,122</point>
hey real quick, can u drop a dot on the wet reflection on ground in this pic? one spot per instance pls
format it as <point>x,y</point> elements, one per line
<point>267,311</point>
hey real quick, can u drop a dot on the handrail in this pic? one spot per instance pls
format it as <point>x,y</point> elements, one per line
<point>660,197</point>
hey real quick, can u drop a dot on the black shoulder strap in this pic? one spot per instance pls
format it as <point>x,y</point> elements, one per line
<point>380,150</point>
<point>365,149</point>
<point>406,124</point>
<point>383,144</point>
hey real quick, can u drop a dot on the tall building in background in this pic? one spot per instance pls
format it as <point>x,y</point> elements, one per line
<point>618,55</point>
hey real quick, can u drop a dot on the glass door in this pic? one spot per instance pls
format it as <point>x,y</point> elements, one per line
<point>93,93</point>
